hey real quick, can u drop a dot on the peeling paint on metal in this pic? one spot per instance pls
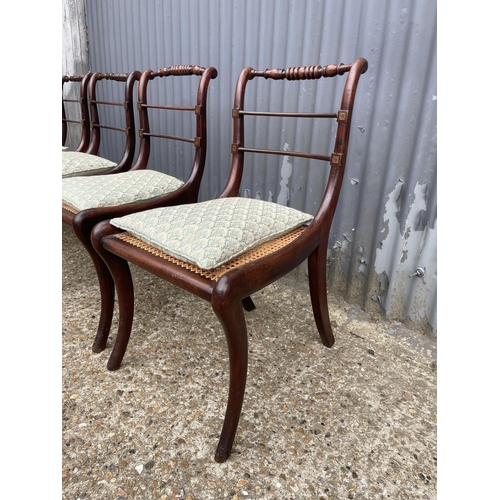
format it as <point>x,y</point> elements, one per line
<point>286,172</point>
<point>400,253</point>
<point>390,229</point>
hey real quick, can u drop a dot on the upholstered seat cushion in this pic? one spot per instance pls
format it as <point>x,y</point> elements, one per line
<point>74,164</point>
<point>116,189</point>
<point>210,233</point>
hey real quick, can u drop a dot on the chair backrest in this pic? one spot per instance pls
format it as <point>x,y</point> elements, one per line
<point>96,107</point>
<point>198,109</point>
<point>337,159</point>
<point>70,96</point>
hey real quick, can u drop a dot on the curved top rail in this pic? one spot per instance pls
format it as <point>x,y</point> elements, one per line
<point>119,77</point>
<point>72,78</point>
<point>302,72</point>
<point>183,70</point>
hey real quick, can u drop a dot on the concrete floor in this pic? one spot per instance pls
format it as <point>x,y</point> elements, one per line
<point>357,421</point>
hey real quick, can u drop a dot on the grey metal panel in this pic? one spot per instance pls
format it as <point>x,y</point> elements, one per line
<point>385,224</point>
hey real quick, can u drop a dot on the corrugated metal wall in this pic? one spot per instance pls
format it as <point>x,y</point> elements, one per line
<point>386,222</point>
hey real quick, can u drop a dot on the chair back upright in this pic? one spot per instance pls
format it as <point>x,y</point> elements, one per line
<point>144,104</point>
<point>82,101</point>
<point>337,160</point>
<point>128,124</point>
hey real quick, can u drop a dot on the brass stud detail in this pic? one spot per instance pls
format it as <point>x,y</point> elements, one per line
<point>342,116</point>
<point>335,159</point>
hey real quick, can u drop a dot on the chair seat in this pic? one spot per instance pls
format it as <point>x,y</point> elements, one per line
<point>82,193</point>
<point>211,233</point>
<point>76,164</point>
<point>216,274</point>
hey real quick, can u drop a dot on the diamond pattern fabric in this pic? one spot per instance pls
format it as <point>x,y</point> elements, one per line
<point>210,233</point>
<point>74,164</point>
<point>116,189</point>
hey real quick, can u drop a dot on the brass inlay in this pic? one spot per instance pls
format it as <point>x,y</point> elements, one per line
<point>342,116</point>
<point>336,159</point>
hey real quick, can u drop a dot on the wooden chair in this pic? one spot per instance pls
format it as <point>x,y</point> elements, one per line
<point>70,101</point>
<point>86,161</point>
<point>229,286</point>
<point>89,200</point>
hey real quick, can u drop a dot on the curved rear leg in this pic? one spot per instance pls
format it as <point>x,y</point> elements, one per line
<point>125,292</point>
<point>83,229</point>
<point>120,272</point>
<point>233,322</point>
<point>248,304</point>
<point>317,287</point>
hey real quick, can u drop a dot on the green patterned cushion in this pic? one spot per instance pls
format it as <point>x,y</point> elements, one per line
<point>117,189</point>
<point>213,232</point>
<point>74,164</point>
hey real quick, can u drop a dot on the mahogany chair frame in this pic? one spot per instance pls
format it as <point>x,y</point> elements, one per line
<point>129,80</point>
<point>230,294</point>
<point>84,121</point>
<point>83,221</point>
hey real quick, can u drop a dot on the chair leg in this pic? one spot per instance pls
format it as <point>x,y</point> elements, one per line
<point>317,287</point>
<point>120,271</point>
<point>106,285</point>
<point>233,322</point>
<point>248,304</point>
<point>125,292</point>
